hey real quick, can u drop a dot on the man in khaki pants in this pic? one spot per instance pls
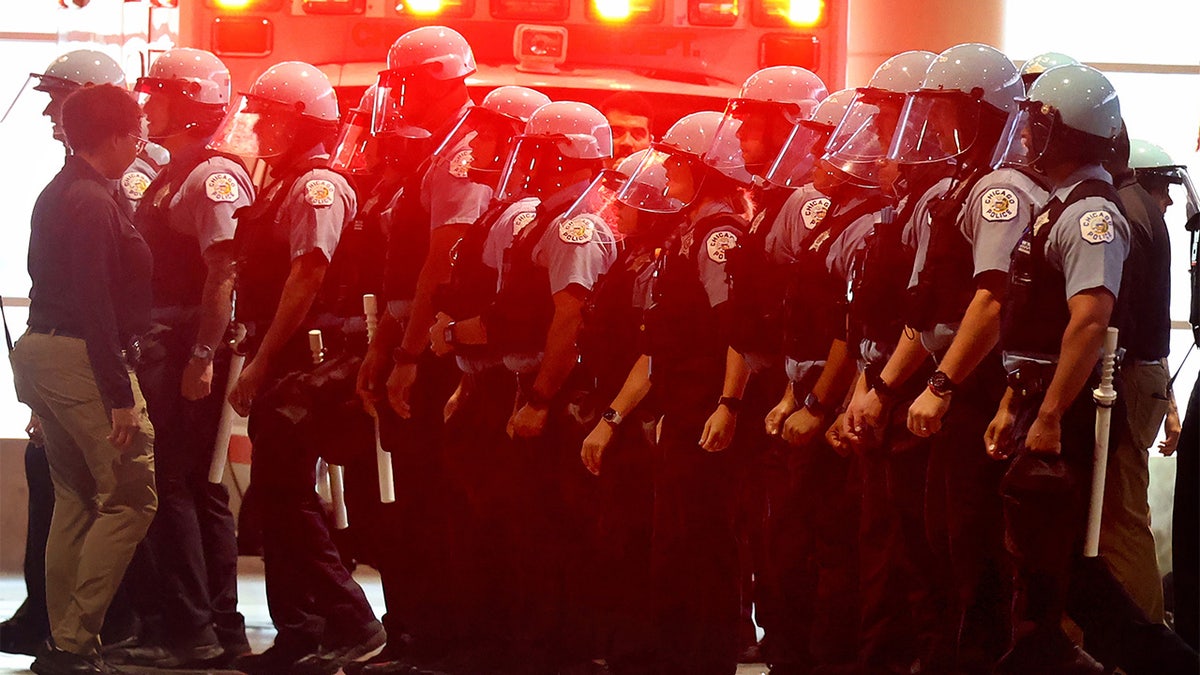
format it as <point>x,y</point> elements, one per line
<point>89,302</point>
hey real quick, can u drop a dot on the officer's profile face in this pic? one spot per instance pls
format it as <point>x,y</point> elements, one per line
<point>630,133</point>
<point>485,147</point>
<point>681,183</point>
<point>158,114</point>
<point>1161,192</point>
<point>53,110</point>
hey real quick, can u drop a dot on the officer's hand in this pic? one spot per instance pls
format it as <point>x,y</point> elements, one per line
<point>998,437</point>
<point>1171,430</point>
<point>925,414</point>
<point>371,376</point>
<point>247,386</point>
<point>437,335</point>
<point>779,414</point>
<point>34,429</point>
<point>594,446</point>
<point>801,427</point>
<point>197,379</point>
<point>399,386</point>
<point>1045,436</point>
<point>862,416</point>
<point>835,436</point>
<point>124,427</point>
<point>718,430</point>
<point>453,403</point>
<point>528,422</point>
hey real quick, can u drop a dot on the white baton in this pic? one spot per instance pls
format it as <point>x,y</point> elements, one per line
<point>337,487</point>
<point>220,455</point>
<point>383,459</point>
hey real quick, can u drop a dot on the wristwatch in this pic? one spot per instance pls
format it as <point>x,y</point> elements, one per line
<point>731,404</point>
<point>875,381</point>
<point>203,353</point>
<point>448,334</point>
<point>940,384</point>
<point>613,417</point>
<point>814,405</point>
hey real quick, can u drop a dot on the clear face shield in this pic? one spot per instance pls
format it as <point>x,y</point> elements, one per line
<point>794,165</point>
<point>600,203</point>
<point>478,145</point>
<point>355,150</point>
<point>399,98</point>
<point>1025,136</point>
<point>530,169</point>
<point>750,137</point>
<point>256,127</point>
<point>935,126</point>
<point>666,181</point>
<point>32,106</point>
<point>860,143</point>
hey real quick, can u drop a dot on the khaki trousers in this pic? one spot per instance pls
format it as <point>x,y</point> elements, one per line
<point>1126,542</point>
<point>104,498</point>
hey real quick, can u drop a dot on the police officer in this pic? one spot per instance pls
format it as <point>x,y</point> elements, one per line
<point>286,244</point>
<point>1063,282</point>
<point>960,112</point>
<point>25,631</point>
<point>770,106</point>
<point>699,382</point>
<point>421,97</point>
<point>188,222</point>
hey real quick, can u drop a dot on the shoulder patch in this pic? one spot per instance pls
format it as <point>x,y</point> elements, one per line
<point>1096,227</point>
<point>578,230</point>
<point>521,220</point>
<point>460,164</point>
<point>998,205</point>
<point>134,184</point>
<point>319,192</point>
<point>718,243</point>
<point>813,212</point>
<point>221,187</point>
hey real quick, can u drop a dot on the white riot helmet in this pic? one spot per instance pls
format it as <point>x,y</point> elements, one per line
<point>416,63</point>
<point>860,143</point>
<point>673,171</point>
<point>354,150</point>
<point>67,73</point>
<point>967,94</point>
<point>263,121</point>
<point>600,201</point>
<point>1039,64</point>
<point>480,141</point>
<point>1065,101</point>
<point>560,138</point>
<point>758,122</point>
<point>194,87</point>
<point>1154,168</point>
<point>793,167</point>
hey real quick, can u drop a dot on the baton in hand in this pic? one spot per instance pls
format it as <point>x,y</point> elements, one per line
<point>383,459</point>
<point>1104,396</point>
<point>337,486</point>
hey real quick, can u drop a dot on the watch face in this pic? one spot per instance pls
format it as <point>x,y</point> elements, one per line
<point>941,381</point>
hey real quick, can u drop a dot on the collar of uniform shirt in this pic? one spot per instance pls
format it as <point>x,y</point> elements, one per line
<point>1085,172</point>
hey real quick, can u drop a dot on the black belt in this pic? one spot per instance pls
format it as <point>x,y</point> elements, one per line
<point>61,332</point>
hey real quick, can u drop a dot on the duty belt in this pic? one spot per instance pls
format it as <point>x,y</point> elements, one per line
<point>131,354</point>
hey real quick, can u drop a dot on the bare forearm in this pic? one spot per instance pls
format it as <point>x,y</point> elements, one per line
<point>635,388</point>
<point>837,376</point>
<point>905,360</point>
<point>216,302</point>
<point>299,290</point>
<point>434,272</point>
<point>560,353</point>
<point>1080,351</point>
<point>977,336</point>
<point>737,374</point>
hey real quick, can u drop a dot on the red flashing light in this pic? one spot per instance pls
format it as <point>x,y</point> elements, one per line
<point>245,5</point>
<point>625,11</point>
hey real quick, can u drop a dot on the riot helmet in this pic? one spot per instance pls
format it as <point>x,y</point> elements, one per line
<point>289,105</point>
<point>1041,63</point>
<point>1068,108</point>
<point>967,95</point>
<point>860,143</point>
<point>759,120</point>
<point>561,140</point>
<point>64,75</point>
<point>185,89</point>
<point>480,141</point>
<point>793,167</point>
<point>600,200</point>
<point>673,171</point>
<point>1157,172</point>
<point>422,65</point>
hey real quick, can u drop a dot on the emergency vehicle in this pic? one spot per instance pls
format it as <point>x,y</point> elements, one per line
<point>683,55</point>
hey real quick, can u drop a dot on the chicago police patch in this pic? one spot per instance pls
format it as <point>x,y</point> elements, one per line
<point>134,184</point>
<point>577,230</point>
<point>1096,227</point>
<point>221,187</point>
<point>460,164</point>
<point>813,212</point>
<point>998,205</point>
<point>521,220</point>
<point>319,192</point>
<point>718,243</point>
